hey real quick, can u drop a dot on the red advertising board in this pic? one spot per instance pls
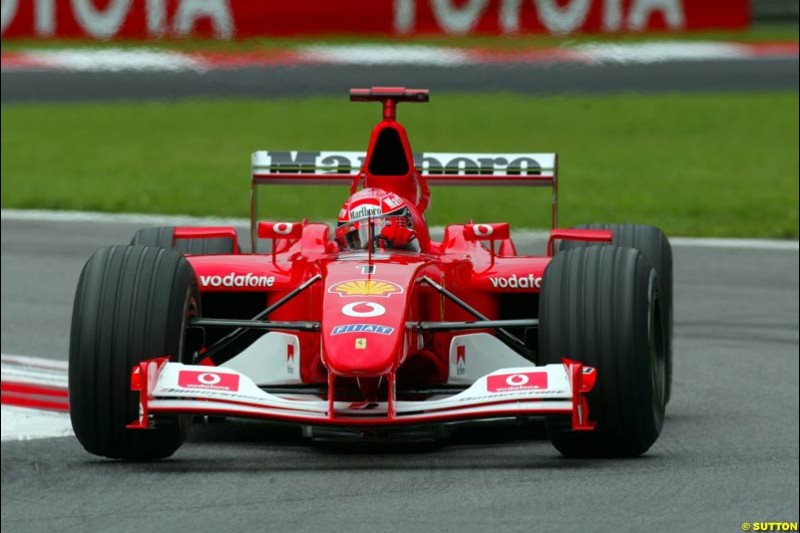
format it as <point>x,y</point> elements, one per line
<point>229,19</point>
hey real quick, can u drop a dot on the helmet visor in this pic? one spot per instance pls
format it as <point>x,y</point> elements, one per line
<point>356,235</point>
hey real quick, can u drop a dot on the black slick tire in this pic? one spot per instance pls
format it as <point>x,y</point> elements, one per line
<point>131,304</point>
<point>161,236</point>
<point>601,306</point>
<point>652,242</point>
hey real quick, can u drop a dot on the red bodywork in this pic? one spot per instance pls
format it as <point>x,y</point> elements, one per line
<point>365,302</point>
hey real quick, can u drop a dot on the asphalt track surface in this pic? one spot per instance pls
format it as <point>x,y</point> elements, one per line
<point>728,452</point>
<point>713,75</point>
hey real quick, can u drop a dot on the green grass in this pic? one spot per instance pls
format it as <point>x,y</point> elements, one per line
<point>762,33</point>
<point>703,164</point>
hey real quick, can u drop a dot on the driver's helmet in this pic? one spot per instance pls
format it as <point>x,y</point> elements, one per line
<point>388,215</point>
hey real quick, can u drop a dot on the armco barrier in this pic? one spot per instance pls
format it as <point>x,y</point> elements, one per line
<point>227,19</point>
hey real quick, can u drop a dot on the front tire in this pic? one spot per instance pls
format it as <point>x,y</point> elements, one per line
<point>601,306</point>
<point>652,242</point>
<point>132,303</point>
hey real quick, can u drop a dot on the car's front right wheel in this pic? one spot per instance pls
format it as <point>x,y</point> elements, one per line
<point>132,303</point>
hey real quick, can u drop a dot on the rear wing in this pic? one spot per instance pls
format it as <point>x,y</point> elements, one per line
<point>437,168</point>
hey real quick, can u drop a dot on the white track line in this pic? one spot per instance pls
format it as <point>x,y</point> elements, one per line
<point>21,423</point>
<point>523,235</point>
<point>117,60</point>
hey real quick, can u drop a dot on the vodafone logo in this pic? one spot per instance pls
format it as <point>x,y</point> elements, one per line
<point>209,379</point>
<point>523,381</point>
<point>237,280</point>
<point>517,380</point>
<point>486,232</point>
<point>283,228</point>
<point>482,230</point>
<point>363,310</point>
<point>277,230</point>
<point>514,282</point>
<point>192,379</point>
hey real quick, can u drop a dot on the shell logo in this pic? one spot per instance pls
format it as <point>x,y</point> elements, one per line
<point>366,287</point>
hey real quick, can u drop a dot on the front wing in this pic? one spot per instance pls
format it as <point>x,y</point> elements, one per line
<point>173,388</point>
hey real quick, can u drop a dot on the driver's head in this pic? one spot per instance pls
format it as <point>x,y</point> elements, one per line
<point>384,215</point>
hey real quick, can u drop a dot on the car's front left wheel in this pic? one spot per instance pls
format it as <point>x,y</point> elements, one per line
<point>602,306</point>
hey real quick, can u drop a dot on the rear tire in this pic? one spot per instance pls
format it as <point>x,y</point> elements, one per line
<point>652,242</point>
<point>601,306</point>
<point>161,237</point>
<point>131,304</point>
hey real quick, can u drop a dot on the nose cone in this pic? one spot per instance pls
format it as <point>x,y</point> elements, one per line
<point>364,315</point>
<point>365,348</point>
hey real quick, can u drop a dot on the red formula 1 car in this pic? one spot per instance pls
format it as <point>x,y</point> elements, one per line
<point>376,326</point>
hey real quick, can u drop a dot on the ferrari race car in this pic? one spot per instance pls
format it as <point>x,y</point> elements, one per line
<point>374,325</point>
